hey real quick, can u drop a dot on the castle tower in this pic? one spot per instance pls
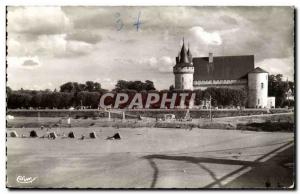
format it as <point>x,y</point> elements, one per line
<point>184,70</point>
<point>257,88</point>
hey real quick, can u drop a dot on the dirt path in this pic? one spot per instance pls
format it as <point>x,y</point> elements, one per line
<point>148,158</point>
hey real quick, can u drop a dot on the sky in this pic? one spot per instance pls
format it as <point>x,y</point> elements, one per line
<point>49,46</point>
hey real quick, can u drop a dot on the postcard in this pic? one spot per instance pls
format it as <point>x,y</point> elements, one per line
<point>150,97</point>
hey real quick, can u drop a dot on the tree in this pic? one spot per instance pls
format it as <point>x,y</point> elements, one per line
<point>78,87</point>
<point>47,100</point>
<point>56,98</point>
<point>36,100</point>
<point>149,85</point>
<point>86,98</point>
<point>67,87</point>
<point>66,100</point>
<point>92,86</point>
<point>291,86</point>
<point>89,86</point>
<point>222,96</point>
<point>121,84</point>
<point>19,99</point>
<point>97,87</point>
<point>198,97</point>
<point>134,85</point>
<point>8,91</point>
<point>75,87</point>
<point>279,88</point>
<point>171,88</point>
<point>93,99</point>
<point>72,95</point>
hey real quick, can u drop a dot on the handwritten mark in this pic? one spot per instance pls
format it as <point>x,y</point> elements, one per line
<point>119,22</point>
<point>25,180</point>
<point>138,23</point>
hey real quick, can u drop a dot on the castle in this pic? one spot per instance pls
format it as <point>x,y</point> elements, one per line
<point>236,72</point>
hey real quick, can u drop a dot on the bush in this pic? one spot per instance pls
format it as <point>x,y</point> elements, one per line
<point>268,126</point>
<point>288,103</point>
<point>222,97</point>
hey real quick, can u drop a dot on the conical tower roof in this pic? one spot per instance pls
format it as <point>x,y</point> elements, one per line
<point>258,70</point>
<point>189,53</point>
<point>183,54</point>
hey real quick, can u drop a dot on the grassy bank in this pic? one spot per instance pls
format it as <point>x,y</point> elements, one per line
<point>268,126</point>
<point>151,113</point>
<point>275,122</point>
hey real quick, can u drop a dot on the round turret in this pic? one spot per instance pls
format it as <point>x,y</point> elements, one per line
<point>184,70</point>
<point>257,88</point>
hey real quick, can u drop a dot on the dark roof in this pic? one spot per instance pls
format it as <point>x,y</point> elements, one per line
<point>189,53</point>
<point>184,58</point>
<point>183,55</point>
<point>223,67</point>
<point>258,70</point>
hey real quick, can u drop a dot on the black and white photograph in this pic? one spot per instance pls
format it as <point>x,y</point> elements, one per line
<point>150,97</point>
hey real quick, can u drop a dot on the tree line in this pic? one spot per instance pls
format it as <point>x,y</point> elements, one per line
<point>73,94</point>
<point>222,97</point>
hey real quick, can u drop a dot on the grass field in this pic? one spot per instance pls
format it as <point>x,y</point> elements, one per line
<point>152,158</point>
<point>268,122</point>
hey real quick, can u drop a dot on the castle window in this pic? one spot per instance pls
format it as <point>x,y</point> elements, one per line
<point>258,101</point>
<point>262,85</point>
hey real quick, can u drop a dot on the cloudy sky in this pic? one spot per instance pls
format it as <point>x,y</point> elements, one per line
<point>48,46</point>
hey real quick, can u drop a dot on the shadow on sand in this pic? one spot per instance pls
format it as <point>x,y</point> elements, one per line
<point>200,160</point>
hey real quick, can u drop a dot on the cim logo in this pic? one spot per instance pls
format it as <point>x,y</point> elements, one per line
<point>25,180</point>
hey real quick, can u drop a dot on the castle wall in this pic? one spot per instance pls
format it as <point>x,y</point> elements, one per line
<point>184,81</point>
<point>184,78</point>
<point>257,90</point>
<point>233,84</point>
<point>271,102</point>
